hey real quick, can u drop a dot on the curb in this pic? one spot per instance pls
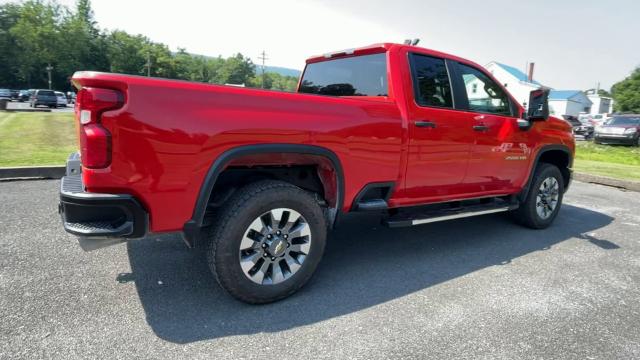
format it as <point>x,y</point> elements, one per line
<point>31,172</point>
<point>607,181</point>
<point>26,110</point>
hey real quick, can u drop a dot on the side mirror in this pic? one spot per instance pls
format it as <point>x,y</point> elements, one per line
<point>538,105</point>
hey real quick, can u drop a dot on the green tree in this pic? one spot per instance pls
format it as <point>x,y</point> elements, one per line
<point>37,37</point>
<point>9,14</point>
<point>124,53</point>
<point>236,70</point>
<point>626,93</point>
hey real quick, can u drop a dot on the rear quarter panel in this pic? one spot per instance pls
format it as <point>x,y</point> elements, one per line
<point>169,133</point>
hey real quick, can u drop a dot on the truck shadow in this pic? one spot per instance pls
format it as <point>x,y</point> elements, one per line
<point>365,264</point>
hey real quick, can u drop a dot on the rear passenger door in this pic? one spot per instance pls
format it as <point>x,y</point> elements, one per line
<point>440,137</point>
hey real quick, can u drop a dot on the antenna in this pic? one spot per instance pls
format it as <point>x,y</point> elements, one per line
<point>415,42</point>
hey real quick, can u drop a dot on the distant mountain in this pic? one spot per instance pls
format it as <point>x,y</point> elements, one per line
<point>277,69</point>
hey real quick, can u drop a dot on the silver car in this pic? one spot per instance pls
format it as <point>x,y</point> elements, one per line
<point>61,99</point>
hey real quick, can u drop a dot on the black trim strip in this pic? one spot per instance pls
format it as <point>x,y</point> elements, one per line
<point>389,185</point>
<point>193,226</point>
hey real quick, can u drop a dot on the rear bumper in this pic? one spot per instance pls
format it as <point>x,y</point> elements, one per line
<point>97,215</point>
<point>45,102</point>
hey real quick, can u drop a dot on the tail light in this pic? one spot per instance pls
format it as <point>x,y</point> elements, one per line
<point>95,140</point>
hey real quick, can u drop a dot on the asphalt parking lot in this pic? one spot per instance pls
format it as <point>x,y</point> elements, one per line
<point>470,288</point>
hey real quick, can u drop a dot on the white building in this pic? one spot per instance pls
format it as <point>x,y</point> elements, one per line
<point>561,102</point>
<point>515,80</point>
<point>601,104</point>
<point>568,102</point>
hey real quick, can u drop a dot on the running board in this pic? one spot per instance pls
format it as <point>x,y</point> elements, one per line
<point>426,217</point>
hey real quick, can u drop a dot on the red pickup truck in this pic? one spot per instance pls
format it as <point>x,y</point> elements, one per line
<point>259,177</point>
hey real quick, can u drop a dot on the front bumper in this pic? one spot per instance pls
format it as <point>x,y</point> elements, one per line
<point>616,139</point>
<point>105,218</point>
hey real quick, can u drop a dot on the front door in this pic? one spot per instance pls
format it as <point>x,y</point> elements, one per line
<point>440,136</point>
<point>500,152</point>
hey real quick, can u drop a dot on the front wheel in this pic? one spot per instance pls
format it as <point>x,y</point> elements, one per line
<point>267,242</point>
<point>544,199</point>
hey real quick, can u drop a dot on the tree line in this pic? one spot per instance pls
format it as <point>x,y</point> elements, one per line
<point>626,93</point>
<point>35,34</point>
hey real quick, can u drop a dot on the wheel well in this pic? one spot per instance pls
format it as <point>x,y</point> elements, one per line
<point>235,177</point>
<point>310,167</point>
<point>561,159</point>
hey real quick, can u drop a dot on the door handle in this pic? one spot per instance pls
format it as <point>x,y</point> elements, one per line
<point>425,124</point>
<point>481,127</point>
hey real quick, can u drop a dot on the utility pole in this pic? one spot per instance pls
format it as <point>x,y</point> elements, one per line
<point>49,68</point>
<point>263,57</point>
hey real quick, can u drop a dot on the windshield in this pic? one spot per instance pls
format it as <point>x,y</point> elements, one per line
<point>364,75</point>
<point>624,120</point>
<point>45,93</point>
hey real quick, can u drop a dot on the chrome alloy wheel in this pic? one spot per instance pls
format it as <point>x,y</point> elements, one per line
<point>547,198</point>
<point>274,246</point>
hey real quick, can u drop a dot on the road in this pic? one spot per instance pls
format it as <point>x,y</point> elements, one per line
<point>470,288</point>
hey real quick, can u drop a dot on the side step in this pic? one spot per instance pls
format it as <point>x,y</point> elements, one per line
<point>420,217</point>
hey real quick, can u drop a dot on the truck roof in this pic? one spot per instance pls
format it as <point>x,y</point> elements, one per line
<point>382,47</point>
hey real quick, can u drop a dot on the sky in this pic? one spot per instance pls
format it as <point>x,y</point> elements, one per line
<point>574,43</point>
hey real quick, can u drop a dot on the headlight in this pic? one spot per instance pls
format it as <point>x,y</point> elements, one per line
<point>630,131</point>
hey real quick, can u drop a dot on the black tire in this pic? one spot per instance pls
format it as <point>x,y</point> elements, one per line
<point>233,219</point>
<point>527,214</point>
<point>636,143</point>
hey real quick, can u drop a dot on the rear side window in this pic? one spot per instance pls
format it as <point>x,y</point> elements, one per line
<point>364,75</point>
<point>484,94</point>
<point>431,81</point>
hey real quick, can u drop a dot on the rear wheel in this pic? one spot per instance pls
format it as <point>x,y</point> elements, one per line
<point>544,199</point>
<point>267,242</point>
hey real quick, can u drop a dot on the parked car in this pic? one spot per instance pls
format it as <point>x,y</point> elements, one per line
<point>5,94</point>
<point>44,98</point>
<point>25,95</point>
<point>620,129</point>
<point>580,129</point>
<point>14,94</point>
<point>259,177</point>
<point>62,99</point>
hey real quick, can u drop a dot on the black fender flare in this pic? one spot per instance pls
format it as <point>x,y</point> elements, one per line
<point>546,148</point>
<point>193,226</point>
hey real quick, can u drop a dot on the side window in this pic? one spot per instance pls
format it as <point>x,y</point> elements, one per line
<point>431,81</point>
<point>483,93</point>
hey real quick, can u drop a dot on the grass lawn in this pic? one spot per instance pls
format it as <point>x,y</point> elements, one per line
<point>621,162</point>
<point>36,138</point>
